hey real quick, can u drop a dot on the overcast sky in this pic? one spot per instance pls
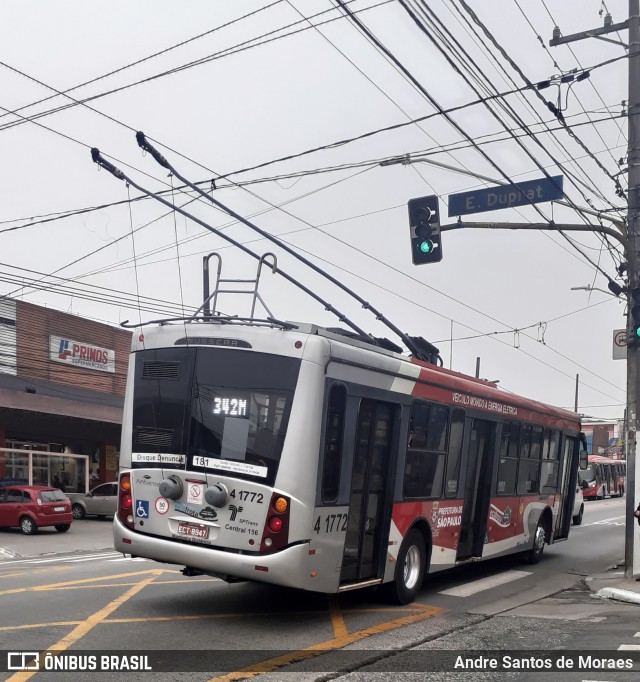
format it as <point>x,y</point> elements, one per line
<point>241,92</point>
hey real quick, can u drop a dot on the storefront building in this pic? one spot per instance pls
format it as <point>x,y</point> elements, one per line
<point>62,382</point>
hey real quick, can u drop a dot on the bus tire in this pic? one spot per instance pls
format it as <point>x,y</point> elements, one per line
<point>577,519</point>
<point>410,569</point>
<point>534,555</point>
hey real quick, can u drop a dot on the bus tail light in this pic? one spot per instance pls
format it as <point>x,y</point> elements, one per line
<point>125,501</point>
<point>276,531</point>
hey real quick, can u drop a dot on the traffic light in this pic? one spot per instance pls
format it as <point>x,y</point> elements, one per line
<point>634,315</point>
<point>424,221</point>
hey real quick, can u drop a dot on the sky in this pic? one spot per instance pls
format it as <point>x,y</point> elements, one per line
<point>222,87</point>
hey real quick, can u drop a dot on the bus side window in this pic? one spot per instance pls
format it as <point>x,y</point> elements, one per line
<point>529,465</point>
<point>550,464</point>
<point>508,464</point>
<point>333,439</point>
<point>454,452</point>
<point>426,447</point>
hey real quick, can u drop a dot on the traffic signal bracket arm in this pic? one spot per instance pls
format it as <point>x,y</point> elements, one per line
<point>552,226</point>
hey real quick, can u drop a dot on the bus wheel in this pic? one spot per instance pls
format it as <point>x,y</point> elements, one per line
<point>535,553</point>
<point>410,568</point>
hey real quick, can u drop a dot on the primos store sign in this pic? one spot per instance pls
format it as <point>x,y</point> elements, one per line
<point>80,354</point>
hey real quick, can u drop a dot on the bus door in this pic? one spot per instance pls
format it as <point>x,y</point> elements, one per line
<point>567,488</point>
<point>477,490</point>
<point>371,492</point>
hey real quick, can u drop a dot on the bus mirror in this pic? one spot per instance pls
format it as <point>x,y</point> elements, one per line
<point>584,460</point>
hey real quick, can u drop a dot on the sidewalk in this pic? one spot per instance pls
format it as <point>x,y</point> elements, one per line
<point>613,585</point>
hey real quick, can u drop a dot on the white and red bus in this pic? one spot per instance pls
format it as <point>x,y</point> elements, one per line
<point>604,477</point>
<point>299,456</point>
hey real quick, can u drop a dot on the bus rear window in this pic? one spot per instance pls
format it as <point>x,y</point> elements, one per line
<point>213,409</point>
<point>239,413</point>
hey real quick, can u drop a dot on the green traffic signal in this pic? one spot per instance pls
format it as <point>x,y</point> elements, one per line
<point>426,246</point>
<point>636,331</point>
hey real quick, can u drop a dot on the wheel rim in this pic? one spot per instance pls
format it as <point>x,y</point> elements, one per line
<point>412,567</point>
<point>27,525</point>
<point>77,513</point>
<point>539,541</point>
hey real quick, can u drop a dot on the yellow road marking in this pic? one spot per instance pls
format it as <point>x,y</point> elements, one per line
<point>87,625</point>
<point>337,620</point>
<point>52,586</point>
<point>272,664</point>
<point>30,626</point>
<point>211,616</point>
<point>91,587</point>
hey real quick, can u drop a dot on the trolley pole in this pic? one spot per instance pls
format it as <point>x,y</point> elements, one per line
<point>632,545</point>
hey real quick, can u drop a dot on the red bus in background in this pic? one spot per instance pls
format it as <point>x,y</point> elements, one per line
<point>604,477</point>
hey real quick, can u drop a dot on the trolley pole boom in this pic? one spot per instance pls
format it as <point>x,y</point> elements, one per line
<point>148,147</point>
<point>116,172</point>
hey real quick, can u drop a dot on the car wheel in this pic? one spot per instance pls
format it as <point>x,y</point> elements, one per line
<point>63,527</point>
<point>535,553</point>
<point>28,526</point>
<point>78,512</point>
<point>577,519</point>
<point>410,569</point>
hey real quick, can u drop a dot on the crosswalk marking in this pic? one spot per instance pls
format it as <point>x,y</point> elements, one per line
<point>613,521</point>
<point>75,559</point>
<point>485,583</point>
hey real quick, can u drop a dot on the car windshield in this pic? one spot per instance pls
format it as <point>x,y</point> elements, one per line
<point>52,496</point>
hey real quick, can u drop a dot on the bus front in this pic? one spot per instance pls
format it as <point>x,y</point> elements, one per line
<point>205,424</point>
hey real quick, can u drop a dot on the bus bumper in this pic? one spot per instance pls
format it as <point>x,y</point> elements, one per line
<point>289,567</point>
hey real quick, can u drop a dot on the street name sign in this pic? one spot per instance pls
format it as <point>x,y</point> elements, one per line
<point>506,196</point>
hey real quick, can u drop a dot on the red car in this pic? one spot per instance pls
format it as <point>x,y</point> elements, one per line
<point>30,506</point>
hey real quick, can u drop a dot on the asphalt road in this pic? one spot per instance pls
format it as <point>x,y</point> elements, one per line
<point>90,600</point>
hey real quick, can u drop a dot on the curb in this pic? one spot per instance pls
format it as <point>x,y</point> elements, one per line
<point>619,595</point>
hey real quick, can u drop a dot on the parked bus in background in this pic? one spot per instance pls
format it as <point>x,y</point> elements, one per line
<point>604,477</point>
<point>304,457</point>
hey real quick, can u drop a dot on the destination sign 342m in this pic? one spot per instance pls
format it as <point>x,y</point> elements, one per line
<point>506,196</point>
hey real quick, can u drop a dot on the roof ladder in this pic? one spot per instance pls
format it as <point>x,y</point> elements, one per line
<point>211,299</point>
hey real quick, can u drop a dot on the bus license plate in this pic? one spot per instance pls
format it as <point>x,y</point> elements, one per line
<point>193,531</point>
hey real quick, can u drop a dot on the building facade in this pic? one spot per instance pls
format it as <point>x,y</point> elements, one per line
<point>62,382</point>
<point>605,439</point>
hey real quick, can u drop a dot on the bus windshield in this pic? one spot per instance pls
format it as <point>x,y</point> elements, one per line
<point>227,410</point>
<point>587,475</point>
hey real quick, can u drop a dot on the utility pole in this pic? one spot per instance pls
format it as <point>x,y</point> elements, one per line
<point>632,248</point>
<point>632,547</point>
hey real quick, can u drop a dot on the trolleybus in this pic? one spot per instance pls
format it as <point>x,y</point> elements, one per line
<point>310,458</point>
<point>604,477</point>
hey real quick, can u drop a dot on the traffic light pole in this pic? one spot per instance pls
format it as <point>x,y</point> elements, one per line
<point>632,251</point>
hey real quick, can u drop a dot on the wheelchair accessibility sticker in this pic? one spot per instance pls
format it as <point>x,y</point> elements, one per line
<point>142,509</point>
